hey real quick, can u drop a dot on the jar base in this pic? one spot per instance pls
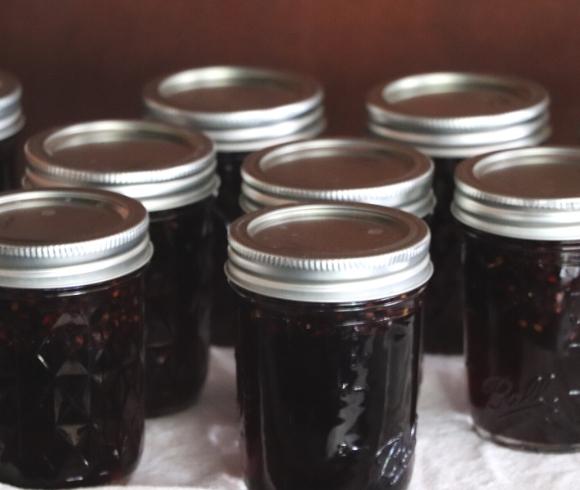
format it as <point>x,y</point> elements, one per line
<point>536,447</point>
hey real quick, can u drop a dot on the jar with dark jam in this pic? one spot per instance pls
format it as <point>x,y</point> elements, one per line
<point>329,337</point>
<point>242,109</point>
<point>72,403</point>
<point>172,172</point>
<point>450,117</point>
<point>520,214</point>
<point>11,123</point>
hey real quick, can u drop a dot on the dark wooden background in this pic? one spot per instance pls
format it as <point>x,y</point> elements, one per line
<point>82,59</point>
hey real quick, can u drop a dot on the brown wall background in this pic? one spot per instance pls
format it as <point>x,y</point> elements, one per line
<point>88,59</point>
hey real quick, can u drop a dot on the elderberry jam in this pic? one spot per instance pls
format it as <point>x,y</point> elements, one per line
<point>242,109</point>
<point>521,263</point>
<point>327,360</point>
<point>172,172</point>
<point>177,298</point>
<point>226,210</point>
<point>11,123</point>
<point>452,116</point>
<point>71,337</point>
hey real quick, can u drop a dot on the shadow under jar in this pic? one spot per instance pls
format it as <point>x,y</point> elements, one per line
<point>327,359</point>
<point>520,212</point>
<point>450,117</point>
<point>172,172</point>
<point>71,337</point>
<point>11,123</point>
<point>242,109</point>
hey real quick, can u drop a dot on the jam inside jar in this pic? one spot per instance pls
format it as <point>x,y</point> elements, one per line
<point>443,303</point>
<point>178,306</point>
<point>72,370</point>
<point>328,392</point>
<point>523,340</point>
<point>226,210</point>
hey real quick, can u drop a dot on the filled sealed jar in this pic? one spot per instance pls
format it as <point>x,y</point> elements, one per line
<point>339,169</point>
<point>11,122</point>
<point>520,214</point>
<point>172,172</point>
<point>71,336</point>
<point>450,117</point>
<point>330,312</point>
<point>242,109</point>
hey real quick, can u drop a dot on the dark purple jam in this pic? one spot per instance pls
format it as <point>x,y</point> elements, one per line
<point>72,387</point>
<point>328,392</point>
<point>8,163</point>
<point>443,304</point>
<point>227,209</point>
<point>178,306</point>
<point>523,340</point>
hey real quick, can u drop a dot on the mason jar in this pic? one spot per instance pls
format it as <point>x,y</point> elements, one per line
<point>330,316</point>
<point>520,214</point>
<point>71,336</point>
<point>450,117</point>
<point>242,109</point>
<point>172,172</point>
<point>11,123</point>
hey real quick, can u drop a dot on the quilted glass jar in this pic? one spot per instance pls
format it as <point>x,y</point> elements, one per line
<point>450,117</point>
<point>71,337</point>
<point>520,213</point>
<point>329,339</point>
<point>172,172</point>
<point>242,109</point>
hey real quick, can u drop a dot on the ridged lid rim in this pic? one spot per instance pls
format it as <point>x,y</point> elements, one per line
<point>549,219</point>
<point>398,268</point>
<point>309,96</point>
<point>75,263</point>
<point>381,102</point>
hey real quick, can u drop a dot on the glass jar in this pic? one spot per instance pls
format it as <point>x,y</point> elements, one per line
<point>520,212</point>
<point>71,337</point>
<point>452,116</point>
<point>242,109</point>
<point>11,123</point>
<point>172,172</point>
<point>329,339</point>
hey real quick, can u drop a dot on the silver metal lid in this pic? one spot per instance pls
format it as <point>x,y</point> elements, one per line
<point>459,115</point>
<point>240,108</point>
<point>456,102</point>
<point>528,193</point>
<point>57,238</point>
<point>466,151</point>
<point>339,169</point>
<point>11,117</point>
<point>329,252</point>
<point>162,166</point>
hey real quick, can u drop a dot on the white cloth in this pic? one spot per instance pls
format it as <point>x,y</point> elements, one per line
<point>198,449</point>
